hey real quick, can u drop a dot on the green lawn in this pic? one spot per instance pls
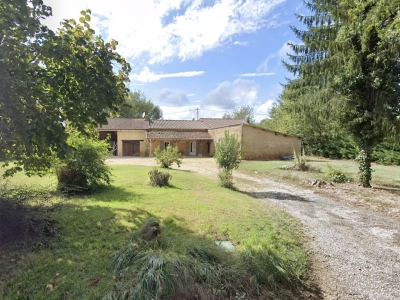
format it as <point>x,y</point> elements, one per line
<point>193,212</point>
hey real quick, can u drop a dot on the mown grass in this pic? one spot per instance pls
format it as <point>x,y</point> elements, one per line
<point>194,212</point>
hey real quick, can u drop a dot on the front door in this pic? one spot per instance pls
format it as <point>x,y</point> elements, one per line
<point>192,150</point>
<point>127,148</point>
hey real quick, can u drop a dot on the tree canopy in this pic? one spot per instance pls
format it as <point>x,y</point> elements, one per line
<point>48,79</point>
<point>246,112</point>
<point>136,103</point>
<point>348,70</point>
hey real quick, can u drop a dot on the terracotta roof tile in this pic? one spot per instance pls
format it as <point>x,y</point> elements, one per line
<point>177,124</point>
<point>178,135</point>
<point>219,123</point>
<point>124,124</point>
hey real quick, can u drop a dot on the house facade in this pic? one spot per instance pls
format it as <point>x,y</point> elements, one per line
<point>140,137</point>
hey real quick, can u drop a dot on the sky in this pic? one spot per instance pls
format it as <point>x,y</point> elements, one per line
<point>187,54</point>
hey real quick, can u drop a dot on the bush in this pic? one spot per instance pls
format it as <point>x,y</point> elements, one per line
<point>158,178</point>
<point>167,157</point>
<point>228,155</point>
<point>300,161</point>
<point>337,175</point>
<point>84,168</point>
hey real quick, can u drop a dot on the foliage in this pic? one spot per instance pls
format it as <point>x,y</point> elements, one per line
<point>203,270</point>
<point>364,169</point>
<point>23,214</point>
<point>158,178</point>
<point>386,154</point>
<point>245,112</point>
<point>300,161</point>
<point>228,155</point>
<point>84,169</point>
<point>136,104</point>
<point>348,69</point>
<point>49,78</point>
<point>165,158</point>
<point>337,175</point>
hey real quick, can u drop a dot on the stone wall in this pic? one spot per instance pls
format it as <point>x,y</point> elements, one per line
<point>218,134</point>
<point>263,144</point>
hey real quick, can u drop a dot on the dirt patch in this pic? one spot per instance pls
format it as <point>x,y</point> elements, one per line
<point>355,251</point>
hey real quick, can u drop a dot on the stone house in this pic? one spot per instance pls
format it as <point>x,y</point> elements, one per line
<point>139,137</point>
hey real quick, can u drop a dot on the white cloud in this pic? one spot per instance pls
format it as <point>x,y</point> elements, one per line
<point>284,50</point>
<point>256,74</point>
<point>240,43</point>
<point>173,97</point>
<point>158,31</point>
<point>179,113</point>
<point>231,95</point>
<point>263,67</point>
<point>190,95</point>
<point>262,111</point>
<point>147,76</point>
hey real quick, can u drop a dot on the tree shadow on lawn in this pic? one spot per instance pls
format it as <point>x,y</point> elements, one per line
<point>89,234</point>
<point>115,194</point>
<point>276,196</point>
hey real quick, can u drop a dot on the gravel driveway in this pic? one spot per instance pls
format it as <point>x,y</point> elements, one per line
<point>356,253</point>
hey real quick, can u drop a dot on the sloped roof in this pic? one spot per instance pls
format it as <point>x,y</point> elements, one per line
<point>177,135</point>
<point>125,124</point>
<point>219,123</point>
<point>177,124</point>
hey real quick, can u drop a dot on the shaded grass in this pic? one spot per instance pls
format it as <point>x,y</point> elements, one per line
<point>194,211</point>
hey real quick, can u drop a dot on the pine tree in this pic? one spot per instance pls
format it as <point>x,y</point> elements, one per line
<point>348,69</point>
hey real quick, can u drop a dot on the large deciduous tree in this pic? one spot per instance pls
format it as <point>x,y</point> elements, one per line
<point>348,69</point>
<point>245,112</point>
<point>49,79</point>
<point>137,104</point>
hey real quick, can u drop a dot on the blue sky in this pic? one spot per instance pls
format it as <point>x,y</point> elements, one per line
<point>188,54</point>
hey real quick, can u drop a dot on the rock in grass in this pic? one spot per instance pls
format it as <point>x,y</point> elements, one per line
<point>150,230</point>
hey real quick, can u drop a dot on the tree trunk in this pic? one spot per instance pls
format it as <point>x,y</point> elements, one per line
<point>364,167</point>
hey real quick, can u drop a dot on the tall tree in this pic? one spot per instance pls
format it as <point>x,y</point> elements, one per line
<point>48,79</point>
<point>246,112</point>
<point>348,67</point>
<point>136,104</point>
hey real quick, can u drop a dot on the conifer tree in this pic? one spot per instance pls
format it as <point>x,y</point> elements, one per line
<point>348,69</point>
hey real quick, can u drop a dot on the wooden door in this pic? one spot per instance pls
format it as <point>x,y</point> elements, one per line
<point>127,148</point>
<point>136,148</point>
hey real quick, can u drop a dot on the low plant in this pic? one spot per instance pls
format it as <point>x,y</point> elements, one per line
<point>165,158</point>
<point>84,168</point>
<point>337,175</point>
<point>300,161</point>
<point>158,178</point>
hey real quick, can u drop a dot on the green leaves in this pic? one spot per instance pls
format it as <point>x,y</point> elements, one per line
<point>48,79</point>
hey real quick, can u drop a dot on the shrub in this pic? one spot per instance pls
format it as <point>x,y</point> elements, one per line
<point>84,168</point>
<point>337,175</point>
<point>300,161</point>
<point>158,178</point>
<point>228,155</point>
<point>165,158</point>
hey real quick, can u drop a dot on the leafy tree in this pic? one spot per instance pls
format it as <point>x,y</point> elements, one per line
<point>348,67</point>
<point>228,155</point>
<point>165,158</point>
<point>244,112</point>
<point>136,104</point>
<point>48,79</point>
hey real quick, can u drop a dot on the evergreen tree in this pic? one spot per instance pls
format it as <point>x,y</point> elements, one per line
<point>348,69</point>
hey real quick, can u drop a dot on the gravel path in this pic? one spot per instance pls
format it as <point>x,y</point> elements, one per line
<point>356,252</point>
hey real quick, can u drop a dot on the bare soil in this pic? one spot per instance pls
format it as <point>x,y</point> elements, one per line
<point>355,250</point>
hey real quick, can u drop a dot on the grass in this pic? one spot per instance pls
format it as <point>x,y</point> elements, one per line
<point>383,197</point>
<point>193,212</point>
